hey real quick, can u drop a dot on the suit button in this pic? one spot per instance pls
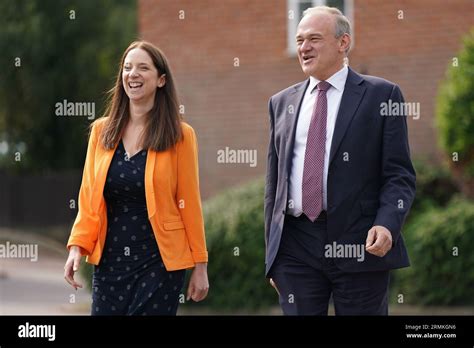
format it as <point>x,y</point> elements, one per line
<point>283,212</point>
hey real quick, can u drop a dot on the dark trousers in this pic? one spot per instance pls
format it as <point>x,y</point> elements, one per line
<point>305,279</point>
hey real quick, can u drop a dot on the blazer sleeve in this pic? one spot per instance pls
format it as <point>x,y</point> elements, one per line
<point>86,226</point>
<point>188,194</point>
<point>271,175</point>
<point>398,176</point>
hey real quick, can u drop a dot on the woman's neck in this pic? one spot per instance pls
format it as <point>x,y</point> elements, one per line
<point>139,112</point>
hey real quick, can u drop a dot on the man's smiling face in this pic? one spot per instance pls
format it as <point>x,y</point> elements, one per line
<point>319,51</point>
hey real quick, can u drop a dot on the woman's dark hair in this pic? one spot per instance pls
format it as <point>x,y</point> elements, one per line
<point>163,124</point>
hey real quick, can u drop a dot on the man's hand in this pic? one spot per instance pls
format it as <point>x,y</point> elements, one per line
<point>272,283</point>
<point>379,241</point>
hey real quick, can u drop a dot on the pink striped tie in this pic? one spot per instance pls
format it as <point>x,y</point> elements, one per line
<point>314,156</point>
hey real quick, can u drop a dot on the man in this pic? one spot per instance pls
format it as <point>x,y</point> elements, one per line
<point>339,182</point>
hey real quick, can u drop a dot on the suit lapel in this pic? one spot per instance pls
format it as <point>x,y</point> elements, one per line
<point>294,101</point>
<point>353,93</point>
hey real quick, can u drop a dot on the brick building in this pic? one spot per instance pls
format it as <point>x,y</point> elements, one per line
<point>230,56</point>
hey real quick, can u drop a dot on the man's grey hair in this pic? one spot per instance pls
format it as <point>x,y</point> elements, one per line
<point>343,26</point>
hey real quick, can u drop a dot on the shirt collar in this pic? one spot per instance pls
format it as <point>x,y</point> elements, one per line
<point>337,80</point>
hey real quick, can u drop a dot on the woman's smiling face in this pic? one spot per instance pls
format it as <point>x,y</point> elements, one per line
<point>139,76</point>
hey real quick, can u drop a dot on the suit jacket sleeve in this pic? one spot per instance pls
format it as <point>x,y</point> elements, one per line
<point>271,176</point>
<point>86,226</point>
<point>188,194</point>
<point>398,176</point>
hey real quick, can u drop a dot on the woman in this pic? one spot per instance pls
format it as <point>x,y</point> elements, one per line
<point>140,218</point>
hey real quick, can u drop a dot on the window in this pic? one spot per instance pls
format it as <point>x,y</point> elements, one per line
<point>295,13</point>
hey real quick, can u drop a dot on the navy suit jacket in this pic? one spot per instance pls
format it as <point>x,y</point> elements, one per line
<point>376,186</point>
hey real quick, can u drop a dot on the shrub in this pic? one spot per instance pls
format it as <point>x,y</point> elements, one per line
<point>235,236</point>
<point>440,243</point>
<point>434,187</point>
<point>85,271</point>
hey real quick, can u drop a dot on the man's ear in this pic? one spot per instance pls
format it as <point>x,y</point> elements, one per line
<point>345,42</point>
<point>162,80</point>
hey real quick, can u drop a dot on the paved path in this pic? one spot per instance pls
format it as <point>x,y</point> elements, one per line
<point>38,288</point>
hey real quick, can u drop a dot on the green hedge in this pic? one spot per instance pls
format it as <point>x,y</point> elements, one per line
<point>85,271</point>
<point>436,275</point>
<point>235,237</point>
<point>434,188</point>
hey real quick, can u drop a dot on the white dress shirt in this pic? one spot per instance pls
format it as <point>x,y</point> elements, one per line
<point>334,96</point>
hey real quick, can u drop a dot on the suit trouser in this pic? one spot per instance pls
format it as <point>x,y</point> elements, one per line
<point>305,279</point>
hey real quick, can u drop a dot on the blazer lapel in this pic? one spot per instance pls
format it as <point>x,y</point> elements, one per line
<point>294,101</point>
<point>353,93</point>
<point>99,182</point>
<point>149,189</point>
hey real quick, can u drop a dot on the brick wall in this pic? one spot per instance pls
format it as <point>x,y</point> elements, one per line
<point>413,52</point>
<point>227,105</point>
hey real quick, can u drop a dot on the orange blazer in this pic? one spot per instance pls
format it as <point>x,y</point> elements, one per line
<point>172,198</point>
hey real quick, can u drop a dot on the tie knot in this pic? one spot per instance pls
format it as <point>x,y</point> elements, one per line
<point>323,86</point>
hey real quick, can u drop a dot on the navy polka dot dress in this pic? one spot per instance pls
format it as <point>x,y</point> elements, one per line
<point>131,278</point>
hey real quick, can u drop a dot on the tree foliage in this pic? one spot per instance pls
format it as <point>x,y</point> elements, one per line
<point>53,51</point>
<point>455,115</point>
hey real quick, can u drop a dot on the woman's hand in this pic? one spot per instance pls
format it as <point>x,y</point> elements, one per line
<point>198,284</point>
<point>72,266</point>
